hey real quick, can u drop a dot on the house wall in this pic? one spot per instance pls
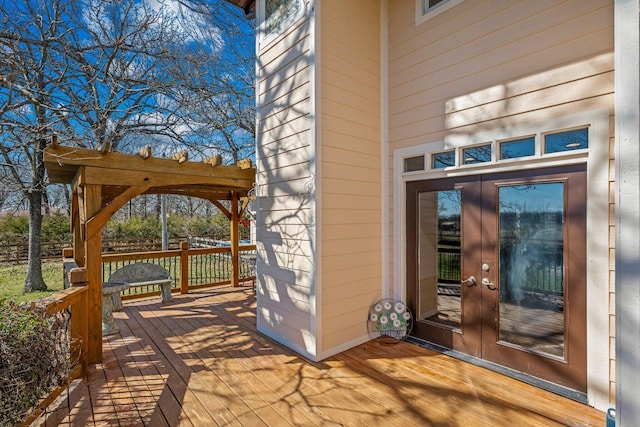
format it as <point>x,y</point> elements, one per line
<point>486,65</point>
<point>349,183</point>
<point>319,167</point>
<point>285,205</point>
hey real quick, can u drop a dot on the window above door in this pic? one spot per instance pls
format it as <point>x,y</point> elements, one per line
<point>537,147</point>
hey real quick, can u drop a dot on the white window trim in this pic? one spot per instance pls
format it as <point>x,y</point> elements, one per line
<point>265,39</point>
<point>422,16</point>
<point>597,160</point>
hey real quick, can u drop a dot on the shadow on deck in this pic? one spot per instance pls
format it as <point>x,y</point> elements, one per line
<point>199,361</point>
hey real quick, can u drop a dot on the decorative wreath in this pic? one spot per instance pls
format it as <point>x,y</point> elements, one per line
<point>391,318</point>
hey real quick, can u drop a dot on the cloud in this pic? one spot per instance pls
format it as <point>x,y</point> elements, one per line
<point>192,25</point>
<point>187,25</point>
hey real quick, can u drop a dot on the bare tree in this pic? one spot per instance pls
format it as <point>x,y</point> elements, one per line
<point>220,96</point>
<point>113,75</point>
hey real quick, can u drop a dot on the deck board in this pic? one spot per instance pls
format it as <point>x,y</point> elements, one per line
<point>198,361</point>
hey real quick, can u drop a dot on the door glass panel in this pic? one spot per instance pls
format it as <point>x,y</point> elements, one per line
<point>531,245</point>
<point>439,262</point>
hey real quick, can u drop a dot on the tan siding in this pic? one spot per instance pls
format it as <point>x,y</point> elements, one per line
<point>612,283</point>
<point>350,167</point>
<point>282,143</point>
<point>273,161</point>
<point>353,216</point>
<point>333,185</point>
<point>286,173</point>
<point>343,286</point>
<point>489,64</point>
<point>347,127</point>
<point>285,256</point>
<point>537,100</point>
<point>350,170</point>
<point>283,131</point>
<point>276,224</point>
<point>340,315</point>
<point>347,231</point>
<point>277,187</point>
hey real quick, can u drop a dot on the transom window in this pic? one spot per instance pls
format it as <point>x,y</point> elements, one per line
<point>412,164</point>
<point>552,143</point>
<point>479,154</point>
<point>514,149</point>
<point>566,141</point>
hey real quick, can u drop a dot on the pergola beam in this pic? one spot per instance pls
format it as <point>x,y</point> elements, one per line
<point>63,162</point>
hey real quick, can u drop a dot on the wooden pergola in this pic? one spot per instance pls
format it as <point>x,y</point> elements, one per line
<point>102,183</point>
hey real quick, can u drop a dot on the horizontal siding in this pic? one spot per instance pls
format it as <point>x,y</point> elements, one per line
<point>542,99</point>
<point>351,216</point>
<point>341,315</point>
<point>522,95</point>
<point>437,61</point>
<point>280,221</point>
<point>342,286</point>
<point>599,64</point>
<point>274,160</point>
<point>364,188</point>
<point>350,167</point>
<point>287,206</point>
<point>270,120</point>
<point>286,173</point>
<point>284,216</point>
<point>342,231</point>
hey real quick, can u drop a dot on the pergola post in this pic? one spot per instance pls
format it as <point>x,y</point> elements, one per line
<point>93,254</point>
<point>234,223</point>
<point>76,228</point>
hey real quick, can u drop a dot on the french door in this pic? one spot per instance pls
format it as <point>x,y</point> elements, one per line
<point>496,268</point>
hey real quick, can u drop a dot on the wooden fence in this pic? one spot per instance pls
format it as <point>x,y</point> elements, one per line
<point>18,252</point>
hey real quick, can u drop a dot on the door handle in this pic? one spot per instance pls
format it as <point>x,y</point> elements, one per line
<point>471,281</point>
<point>488,284</point>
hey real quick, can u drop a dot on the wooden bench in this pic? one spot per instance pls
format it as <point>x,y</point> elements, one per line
<point>142,274</point>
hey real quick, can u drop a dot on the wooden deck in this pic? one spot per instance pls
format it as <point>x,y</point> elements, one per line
<point>198,361</point>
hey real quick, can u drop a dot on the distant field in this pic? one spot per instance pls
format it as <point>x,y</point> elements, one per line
<point>12,281</point>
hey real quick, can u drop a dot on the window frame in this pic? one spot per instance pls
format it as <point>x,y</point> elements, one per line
<point>266,38</point>
<point>423,14</point>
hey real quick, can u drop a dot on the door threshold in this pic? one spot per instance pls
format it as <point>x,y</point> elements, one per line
<point>512,373</point>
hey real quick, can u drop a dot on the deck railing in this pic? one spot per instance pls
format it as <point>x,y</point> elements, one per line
<point>72,303</point>
<point>189,268</point>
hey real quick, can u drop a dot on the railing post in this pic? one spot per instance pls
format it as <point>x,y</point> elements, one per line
<point>184,267</point>
<point>235,238</point>
<point>79,316</point>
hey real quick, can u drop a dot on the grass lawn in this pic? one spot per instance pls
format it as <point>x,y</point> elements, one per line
<point>12,281</point>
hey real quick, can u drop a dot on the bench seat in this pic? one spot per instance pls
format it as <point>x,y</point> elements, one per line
<point>142,274</point>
